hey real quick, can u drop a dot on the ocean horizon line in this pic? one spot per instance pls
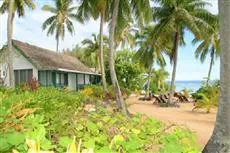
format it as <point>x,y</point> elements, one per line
<point>186,80</point>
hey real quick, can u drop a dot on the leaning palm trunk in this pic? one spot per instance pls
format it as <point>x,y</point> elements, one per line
<point>210,66</point>
<point>119,98</point>
<point>220,140</point>
<point>174,58</point>
<point>10,47</point>
<point>102,58</point>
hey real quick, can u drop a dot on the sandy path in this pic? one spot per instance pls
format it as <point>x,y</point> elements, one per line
<point>199,122</point>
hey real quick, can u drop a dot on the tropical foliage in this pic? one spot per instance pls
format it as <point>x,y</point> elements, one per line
<point>207,97</point>
<point>63,14</point>
<point>209,45</point>
<point>52,117</point>
<point>151,51</point>
<point>18,7</point>
<point>128,72</point>
<point>175,16</point>
<point>158,82</point>
<point>97,9</point>
<point>11,7</point>
<point>80,52</point>
<point>92,49</point>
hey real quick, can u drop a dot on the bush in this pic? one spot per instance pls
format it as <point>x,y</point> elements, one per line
<point>129,73</point>
<point>207,97</point>
<point>186,92</point>
<point>96,91</point>
<point>158,84</point>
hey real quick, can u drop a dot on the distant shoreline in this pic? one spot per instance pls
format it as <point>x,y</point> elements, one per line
<point>188,84</point>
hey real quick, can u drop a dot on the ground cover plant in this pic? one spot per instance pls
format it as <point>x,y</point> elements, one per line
<point>52,117</point>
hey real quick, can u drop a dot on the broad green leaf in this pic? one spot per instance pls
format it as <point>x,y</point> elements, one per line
<point>1,119</point>
<point>90,143</point>
<point>64,141</point>
<point>15,138</point>
<point>104,149</point>
<point>4,145</point>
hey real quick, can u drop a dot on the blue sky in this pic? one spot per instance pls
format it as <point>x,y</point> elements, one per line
<point>28,29</point>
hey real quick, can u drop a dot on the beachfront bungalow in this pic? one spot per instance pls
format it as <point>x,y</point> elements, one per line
<point>51,69</point>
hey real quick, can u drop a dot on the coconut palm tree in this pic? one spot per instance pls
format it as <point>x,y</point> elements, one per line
<point>93,48</point>
<point>176,16</point>
<point>18,6</point>
<point>209,45</point>
<point>220,139</point>
<point>126,38</point>
<point>105,9</point>
<point>97,9</point>
<point>159,77</point>
<point>151,51</point>
<point>12,6</point>
<point>122,14</point>
<point>63,15</point>
<point>119,99</point>
<point>9,42</point>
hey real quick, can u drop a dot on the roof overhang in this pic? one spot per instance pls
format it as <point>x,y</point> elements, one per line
<point>74,71</point>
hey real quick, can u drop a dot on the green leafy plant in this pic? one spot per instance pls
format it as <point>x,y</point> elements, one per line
<point>128,72</point>
<point>186,92</point>
<point>51,117</point>
<point>179,141</point>
<point>206,102</point>
<point>207,97</point>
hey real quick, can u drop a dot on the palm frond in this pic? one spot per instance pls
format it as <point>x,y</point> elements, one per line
<point>4,7</point>
<point>49,9</point>
<point>70,26</point>
<point>63,11</point>
<point>48,22</point>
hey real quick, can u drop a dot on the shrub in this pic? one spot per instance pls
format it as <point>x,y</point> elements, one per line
<point>96,91</point>
<point>207,97</point>
<point>186,92</point>
<point>87,91</point>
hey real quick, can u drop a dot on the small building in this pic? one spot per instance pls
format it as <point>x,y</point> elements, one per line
<point>51,69</point>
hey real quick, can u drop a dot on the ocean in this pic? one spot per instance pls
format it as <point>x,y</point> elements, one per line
<point>192,85</point>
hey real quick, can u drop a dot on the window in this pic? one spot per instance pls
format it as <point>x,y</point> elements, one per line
<point>80,79</point>
<point>2,74</point>
<point>42,78</point>
<point>61,79</point>
<point>45,78</point>
<point>92,79</point>
<point>49,78</point>
<point>95,79</point>
<point>23,76</point>
<point>87,79</point>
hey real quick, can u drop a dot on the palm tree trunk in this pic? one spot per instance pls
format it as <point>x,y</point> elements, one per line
<point>57,45</point>
<point>102,57</point>
<point>148,83</point>
<point>10,47</point>
<point>175,56</point>
<point>220,139</point>
<point>210,66</point>
<point>96,62</point>
<point>116,87</point>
